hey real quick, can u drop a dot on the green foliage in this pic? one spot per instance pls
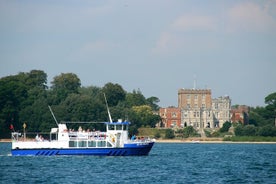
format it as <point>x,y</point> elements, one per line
<point>225,127</point>
<point>207,133</point>
<point>169,134</point>
<point>143,116</point>
<point>135,98</point>
<point>63,85</point>
<point>251,130</point>
<point>157,135</point>
<point>189,131</point>
<point>152,101</point>
<point>264,116</point>
<point>24,98</point>
<point>114,93</point>
<point>267,131</point>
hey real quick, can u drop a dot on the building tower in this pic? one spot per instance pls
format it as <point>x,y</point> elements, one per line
<point>196,107</point>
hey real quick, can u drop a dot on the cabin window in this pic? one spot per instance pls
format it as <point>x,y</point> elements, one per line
<point>82,144</point>
<point>119,127</point>
<point>111,127</point>
<point>91,144</point>
<point>109,145</point>
<point>101,143</point>
<point>73,144</point>
<point>125,127</point>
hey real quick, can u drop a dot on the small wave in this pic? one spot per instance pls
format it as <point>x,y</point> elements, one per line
<point>5,155</point>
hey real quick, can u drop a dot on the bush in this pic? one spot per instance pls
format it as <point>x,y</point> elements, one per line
<point>169,134</point>
<point>157,135</point>
<point>189,131</point>
<point>225,127</point>
<point>267,131</point>
<point>248,130</point>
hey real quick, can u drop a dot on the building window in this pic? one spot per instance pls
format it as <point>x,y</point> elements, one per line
<point>188,106</point>
<point>173,124</point>
<point>195,96</point>
<point>203,105</point>
<point>188,96</point>
<point>194,114</point>
<point>174,115</point>
<point>196,106</point>
<point>197,114</point>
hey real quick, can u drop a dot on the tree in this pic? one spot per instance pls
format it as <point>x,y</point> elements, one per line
<point>63,85</point>
<point>225,127</point>
<point>145,116</point>
<point>36,78</point>
<point>114,93</point>
<point>270,100</point>
<point>152,101</point>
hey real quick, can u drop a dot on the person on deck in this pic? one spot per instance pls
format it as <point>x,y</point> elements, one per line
<point>133,137</point>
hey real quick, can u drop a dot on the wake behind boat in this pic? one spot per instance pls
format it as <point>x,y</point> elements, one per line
<point>113,142</point>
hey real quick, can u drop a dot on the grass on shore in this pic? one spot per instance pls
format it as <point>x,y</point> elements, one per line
<point>250,139</point>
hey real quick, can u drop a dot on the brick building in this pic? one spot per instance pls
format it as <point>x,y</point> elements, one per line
<point>240,114</point>
<point>171,117</point>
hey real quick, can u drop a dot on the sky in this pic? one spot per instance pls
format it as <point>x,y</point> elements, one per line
<point>155,46</point>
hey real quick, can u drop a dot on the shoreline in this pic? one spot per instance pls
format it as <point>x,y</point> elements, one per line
<point>210,142</point>
<point>5,140</point>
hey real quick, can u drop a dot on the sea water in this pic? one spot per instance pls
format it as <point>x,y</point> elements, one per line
<point>166,163</point>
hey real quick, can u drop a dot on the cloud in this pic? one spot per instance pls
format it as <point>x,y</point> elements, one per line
<point>204,32</point>
<point>189,23</point>
<point>164,43</point>
<point>187,32</point>
<point>251,17</point>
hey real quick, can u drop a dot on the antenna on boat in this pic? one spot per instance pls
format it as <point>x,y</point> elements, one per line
<point>53,115</point>
<point>109,115</point>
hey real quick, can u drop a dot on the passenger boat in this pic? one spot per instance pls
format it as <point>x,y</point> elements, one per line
<point>114,142</point>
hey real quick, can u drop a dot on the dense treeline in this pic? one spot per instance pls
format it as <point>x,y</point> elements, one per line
<point>261,120</point>
<point>24,98</point>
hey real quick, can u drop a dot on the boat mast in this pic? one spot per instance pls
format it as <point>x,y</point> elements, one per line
<point>109,115</point>
<point>53,115</point>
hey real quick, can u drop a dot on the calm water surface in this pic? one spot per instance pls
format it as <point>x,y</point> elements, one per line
<point>167,163</point>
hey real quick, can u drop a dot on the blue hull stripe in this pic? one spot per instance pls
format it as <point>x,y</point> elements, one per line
<point>127,151</point>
